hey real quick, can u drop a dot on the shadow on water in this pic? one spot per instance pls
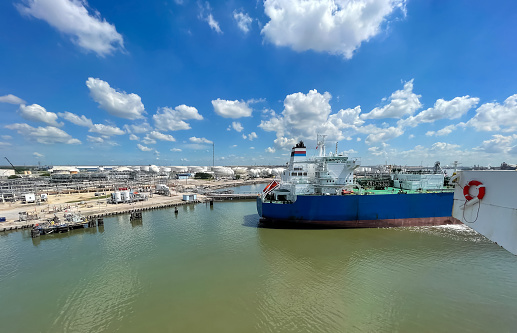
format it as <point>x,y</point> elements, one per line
<point>254,221</point>
<point>136,223</point>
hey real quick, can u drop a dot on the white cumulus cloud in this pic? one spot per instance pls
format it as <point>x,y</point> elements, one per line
<point>168,119</point>
<point>496,117</point>
<point>155,135</point>
<point>75,119</point>
<point>442,109</point>
<point>250,136</point>
<point>231,109</point>
<point>498,144</point>
<point>38,155</point>
<point>11,99</point>
<point>38,113</point>
<point>119,104</point>
<point>71,17</point>
<point>45,135</point>
<point>200,140</point>
<point>401,103</point>
<point>237,126</point>
<point>334,26</point>
<point>144,148</point>
<point>106,130</point>
<point>445,131</point>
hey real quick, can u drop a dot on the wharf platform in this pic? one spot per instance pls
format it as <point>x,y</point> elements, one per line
<point>231,196</point>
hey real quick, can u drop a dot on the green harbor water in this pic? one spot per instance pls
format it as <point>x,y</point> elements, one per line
<point>219,270</point>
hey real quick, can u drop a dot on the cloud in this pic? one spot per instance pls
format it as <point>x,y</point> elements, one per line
<point>231,109</point>
<point>94,139</point>
<point>38,113</point>
<point>304,116</point>
<point>106,130</point>
<point>348,118</point>
<point>498,144</point>
<point>45,135</point>
<point>155,135</point>
<point>445,131</point>
<point>205,14</point>
<point>144,148</point>
<point>133,137</point>
<point>402,102</point>
<point>6,137</point>
<point>496,117</point>
<point>11,99</point>
<point>200,140</point>
<point>168,119</point>
<point>270,150</point>
<point>250,136</point>
<point>4,144</point>
<point>175,150</point>
<point>119,104</point>
<point>140,128</point>
<point>71,17</point>
<point>333,26</point>
<point>442,109</point>
<point>237,126</point>
<point>243,21</point>
<point>376,134</point>
<point>38,155</point>
<point>75,119</point>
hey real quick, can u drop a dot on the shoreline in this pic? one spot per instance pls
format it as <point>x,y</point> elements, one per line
<point>86,203</point>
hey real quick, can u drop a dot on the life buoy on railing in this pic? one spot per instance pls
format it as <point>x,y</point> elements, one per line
<point>481,190</point>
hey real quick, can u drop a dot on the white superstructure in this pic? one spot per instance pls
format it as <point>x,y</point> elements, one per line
<point>322,175</point>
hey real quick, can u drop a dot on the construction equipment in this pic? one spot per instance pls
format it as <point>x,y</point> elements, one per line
<point>11,165</point>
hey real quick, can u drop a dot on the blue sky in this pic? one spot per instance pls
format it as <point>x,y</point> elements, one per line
<point>157,82</point>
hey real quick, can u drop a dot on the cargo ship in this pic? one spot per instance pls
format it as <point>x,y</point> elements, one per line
<point>321,191</point>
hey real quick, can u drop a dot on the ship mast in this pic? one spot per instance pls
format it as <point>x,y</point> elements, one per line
<point>321,144</point>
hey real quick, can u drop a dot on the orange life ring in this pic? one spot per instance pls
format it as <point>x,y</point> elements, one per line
<point>481,190</point>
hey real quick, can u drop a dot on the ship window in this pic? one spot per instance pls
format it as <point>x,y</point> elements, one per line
<point>305,173</point>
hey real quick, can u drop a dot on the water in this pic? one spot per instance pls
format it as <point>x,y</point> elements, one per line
<point>217,270</point>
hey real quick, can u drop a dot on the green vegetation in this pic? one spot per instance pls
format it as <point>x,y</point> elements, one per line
<point>202,175</point>
<point>13,177</point>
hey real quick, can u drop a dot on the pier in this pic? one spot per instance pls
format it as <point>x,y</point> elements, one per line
<point>231,196</point>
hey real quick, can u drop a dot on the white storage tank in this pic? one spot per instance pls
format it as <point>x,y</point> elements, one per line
<point>125,196</point>
<point>116,197</point>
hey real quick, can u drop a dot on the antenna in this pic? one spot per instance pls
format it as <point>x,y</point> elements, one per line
<point>321,143</point>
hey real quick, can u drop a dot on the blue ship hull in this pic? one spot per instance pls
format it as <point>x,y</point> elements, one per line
<point>370,211</point>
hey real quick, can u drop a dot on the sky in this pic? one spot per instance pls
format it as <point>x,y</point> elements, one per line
<point>176,82</point>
